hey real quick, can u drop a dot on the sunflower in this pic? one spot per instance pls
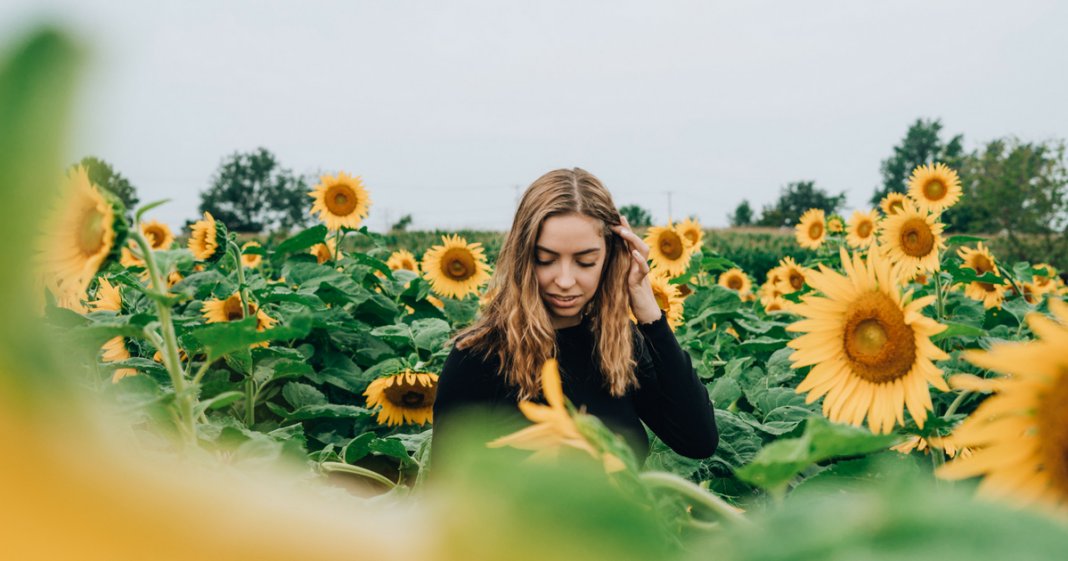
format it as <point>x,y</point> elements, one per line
<point>407,397</point>
<point>669,249</point>
<point>128,257</point>
<point>456,268</point>
<point>325,251</point>
<point>736,280</point>
<point>835,225</point>
<point>1046,282</point>
<point>893,203</point>
<point>870,345</point>
<point>1021,430</point>
<point>693,233</point>
<point>341,201</point>
<point>793,276</point>
<point>218,311</point>
<point>934,187</point>
<point>668,298</point>
<point>981,261</point>
<point>924,444</point>
<point>109,298</point>
<point>89,230</point>
<point>158,235</point>
<point>207,239</point>
<point>402,259</point>
<point>912,238</point>
<point>554,429</point>
<point>861,231</point>
<point>250,260</point>
<point>811,229</point>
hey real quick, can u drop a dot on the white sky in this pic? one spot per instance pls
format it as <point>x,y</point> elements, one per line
<point>445,107</point>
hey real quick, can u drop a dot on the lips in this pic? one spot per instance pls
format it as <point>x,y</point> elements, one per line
<point>562,301</point>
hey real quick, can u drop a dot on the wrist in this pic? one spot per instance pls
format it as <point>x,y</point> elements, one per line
<point>647,314</point>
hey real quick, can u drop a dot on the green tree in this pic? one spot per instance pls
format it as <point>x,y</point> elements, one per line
<point>742,216</point>
<point>922,145</point>
<point>637,216</point>
<point>402,224</point>
<point>794,199</point>
<point>104,175</point>
<point>1020,191</point>
<point>251,192</point>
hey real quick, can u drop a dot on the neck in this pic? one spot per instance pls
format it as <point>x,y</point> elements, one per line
<point>561,323</point>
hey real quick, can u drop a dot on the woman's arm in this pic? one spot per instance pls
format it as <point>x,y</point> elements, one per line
<point>671,399</point>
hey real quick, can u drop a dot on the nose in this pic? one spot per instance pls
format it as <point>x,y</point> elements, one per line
<point>565,280</point>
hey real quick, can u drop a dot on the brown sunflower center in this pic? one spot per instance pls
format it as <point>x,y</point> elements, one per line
<point>865,228</point>
<point>340,200</point>
<point>815,230</point>
<point>155,236</point>
<point>896,207</point>
<point>982,265</point>
<point>934,190</point>
<point>796,279</point>
<point>917,240</point>
<point>670,245</point>
<point>879,346</point>
<point>91,233</point>
<point>458,264</point>
<point>1052,418</point>
<point>410,395</point>
<point>734,282</point>
<point>691,235</point>
<point>232,309</point>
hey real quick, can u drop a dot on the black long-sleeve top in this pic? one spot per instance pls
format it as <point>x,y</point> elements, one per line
<point>670,398</point>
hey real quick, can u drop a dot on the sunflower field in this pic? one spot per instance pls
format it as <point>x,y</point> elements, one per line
<point>885,389</point>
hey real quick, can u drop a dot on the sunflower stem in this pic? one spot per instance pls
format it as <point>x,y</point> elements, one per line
<point>956,403</point>
<point>692,491</point>
<point>337,244</point>
<point>169,350</point>
<point>242,289</point>
<point>356,470</point>
<point>940,295</point>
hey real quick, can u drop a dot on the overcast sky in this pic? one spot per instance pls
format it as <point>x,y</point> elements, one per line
<point>445,108</point>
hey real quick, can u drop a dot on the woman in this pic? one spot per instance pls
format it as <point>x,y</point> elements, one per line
<point>568,277</point>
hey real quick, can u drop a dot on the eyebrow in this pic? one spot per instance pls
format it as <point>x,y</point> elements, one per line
<point>583,252</point>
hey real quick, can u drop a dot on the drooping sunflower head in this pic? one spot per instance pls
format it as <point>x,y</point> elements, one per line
<point>982,262</point>
<point>668,298</point>
<point>736,280</point>
<point>793,276</point>
<point>811,230</point>
<point>869,345</point>
<point>158,234</point>
<point>407,397</point>
<point>402,259</point>
<point>251,260</point>
<point>114,350</point>
<point>669,250</point>
<point>1022,429</point>
<point>835,224</point>
<point>207,239</point>
<point>455,268</point>
<point>912,238</point>
<point>1045,281</point>
<point>88,231</point>
<point>934,187</point>
<point>340,201</point>
<point>693,233</point>
<point>861,230</point>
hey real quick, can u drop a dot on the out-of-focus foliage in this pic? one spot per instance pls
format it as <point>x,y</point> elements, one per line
<point>637,216</point>
<point>794,199</point>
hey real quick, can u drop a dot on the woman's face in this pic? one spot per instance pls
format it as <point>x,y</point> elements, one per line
<point>568,259</point>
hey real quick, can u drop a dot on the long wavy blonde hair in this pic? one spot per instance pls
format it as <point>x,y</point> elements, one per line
<point>514,324</point>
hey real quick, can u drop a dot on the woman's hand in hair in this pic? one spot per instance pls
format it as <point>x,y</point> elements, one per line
<point>642,301</point>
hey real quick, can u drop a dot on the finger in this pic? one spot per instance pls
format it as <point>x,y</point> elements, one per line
<point>643,263</point>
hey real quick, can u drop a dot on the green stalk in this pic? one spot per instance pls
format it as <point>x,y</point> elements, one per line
<point>183,397</point>
<point>941,306</point>
<point>242,288</point>
<point>696,493</point>
<point>956,403</point>
<point>356,470</point>
<point>337,244</point>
